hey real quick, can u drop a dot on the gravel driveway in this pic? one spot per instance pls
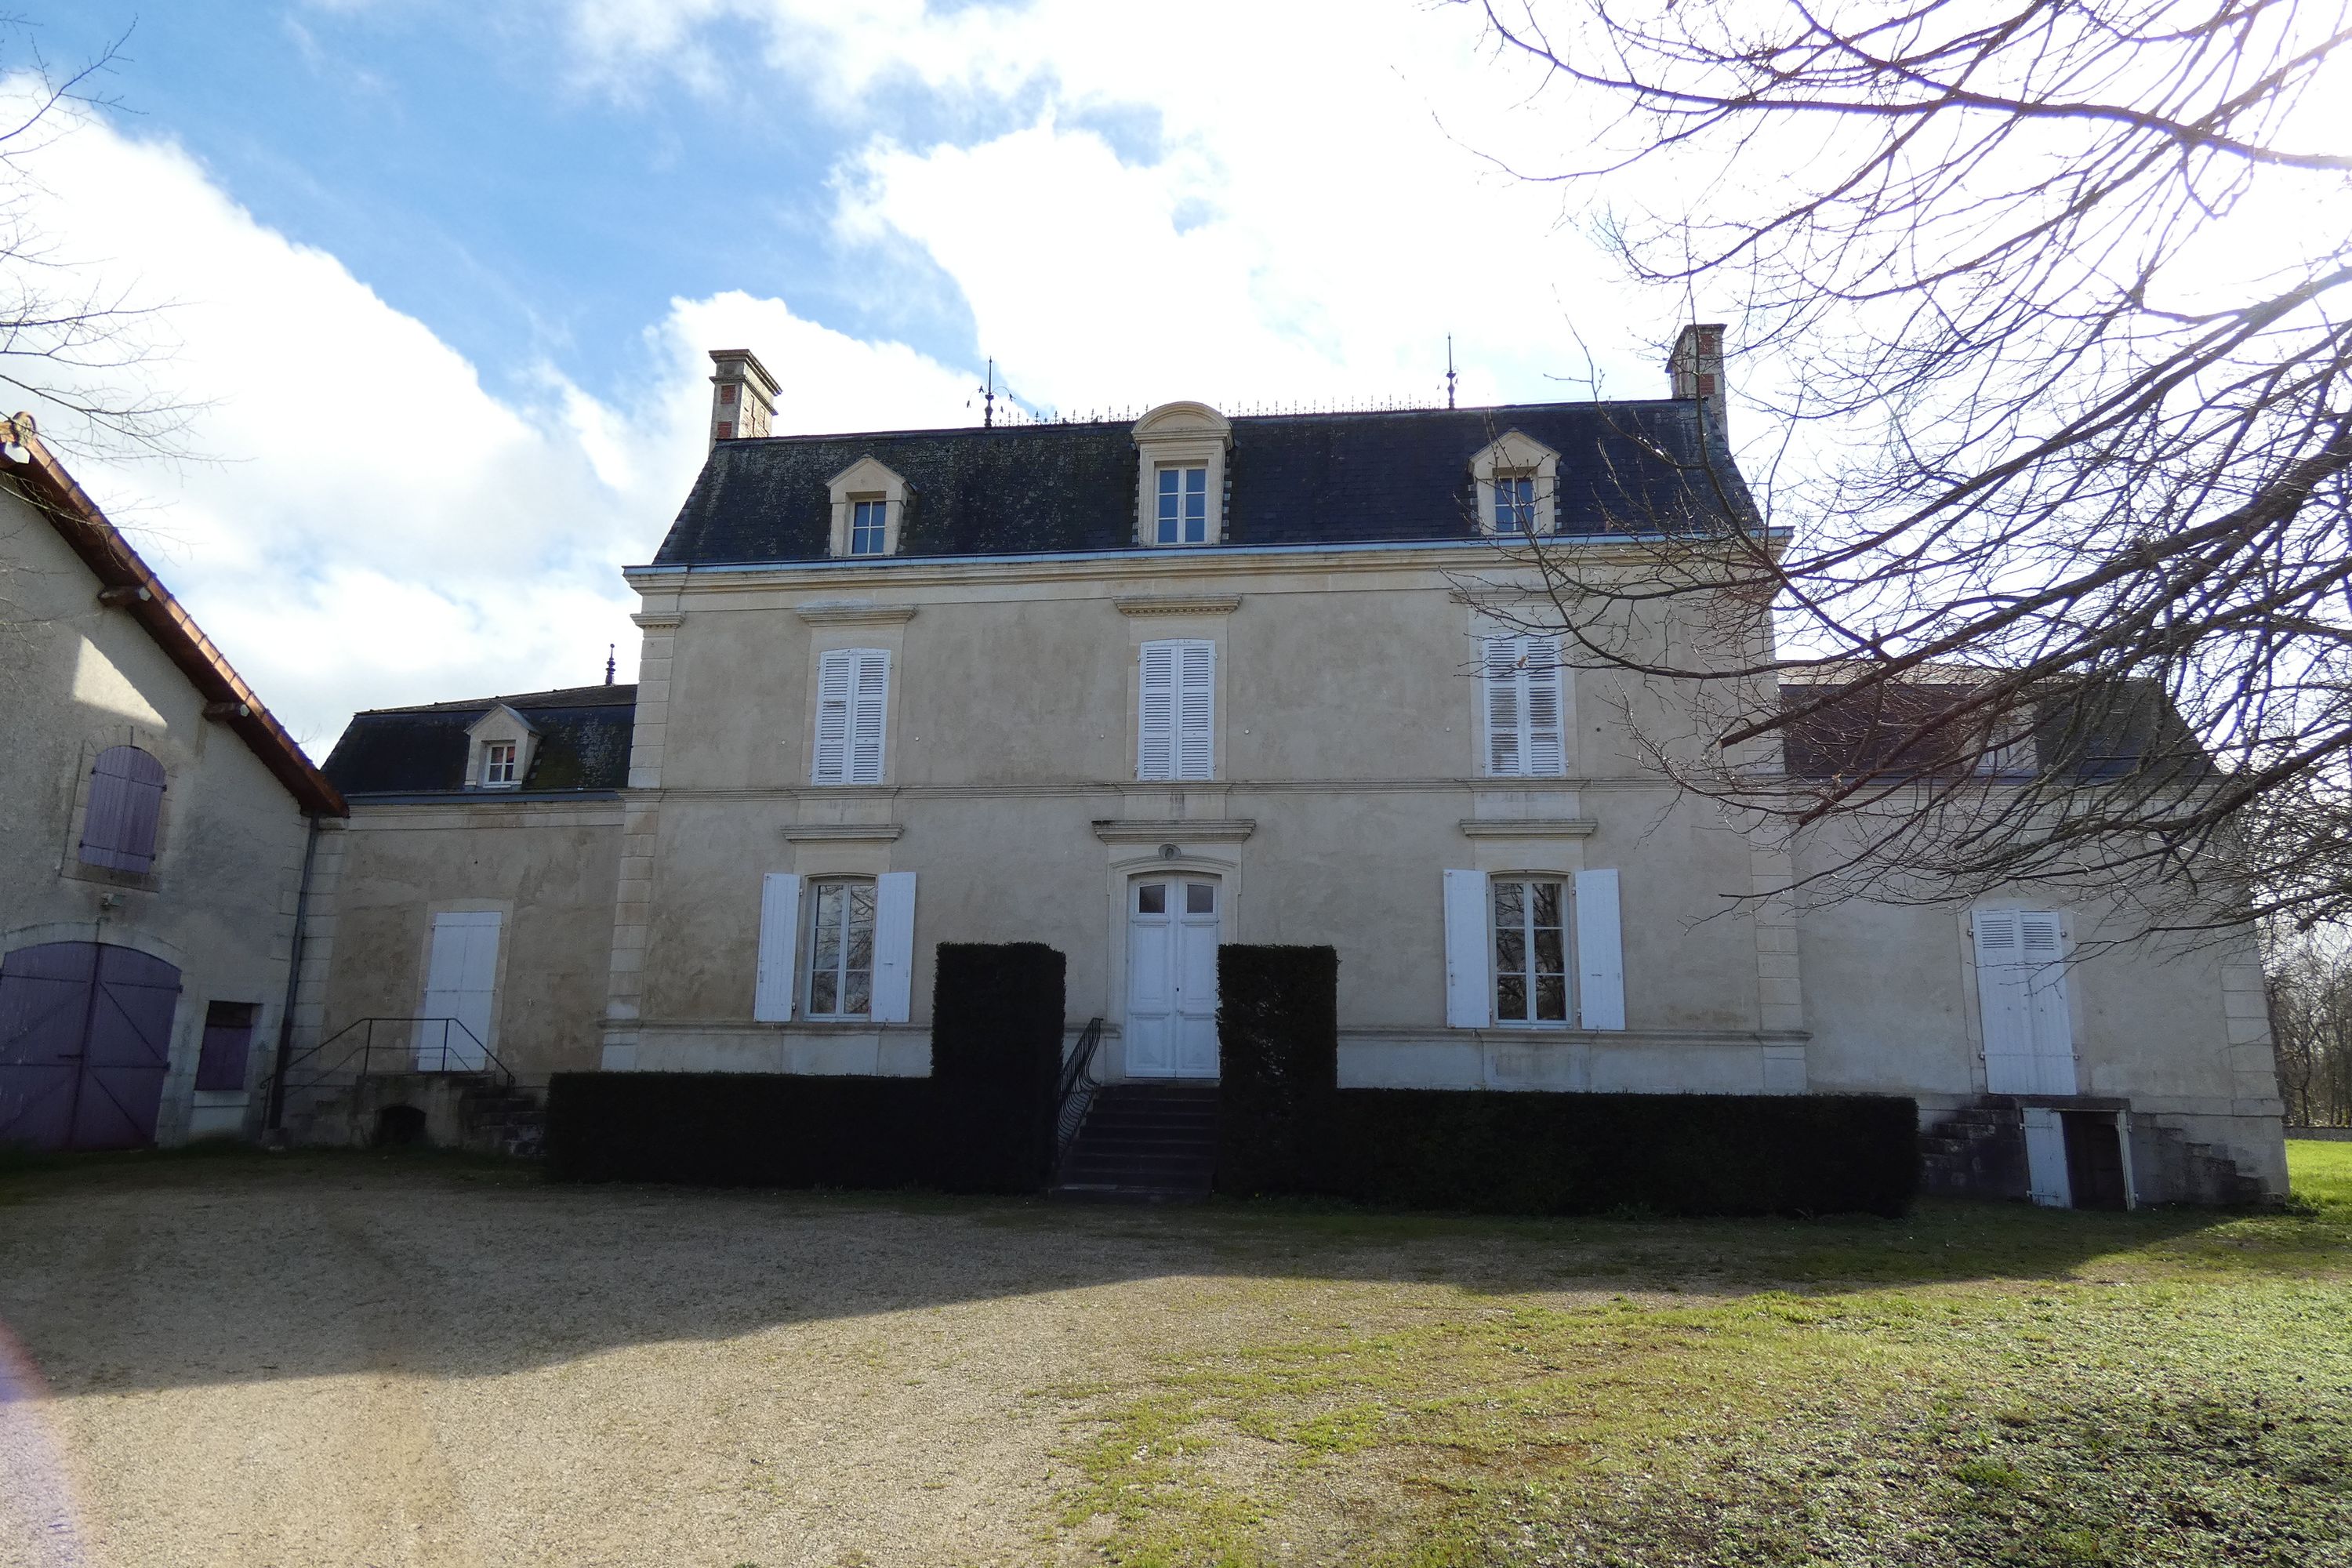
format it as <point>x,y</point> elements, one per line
<point>355,1359</point>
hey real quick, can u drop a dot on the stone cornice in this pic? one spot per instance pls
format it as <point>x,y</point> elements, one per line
<point>1175,830</point>
<point>667,621</point>
<point>1528,827</point>
<point>849,613</point>
<point>843,832</point>
<point>1177,604</point>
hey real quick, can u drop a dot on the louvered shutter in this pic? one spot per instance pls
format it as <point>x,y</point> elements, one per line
<point>1196,693</point>
<point>1469,982</point>
<point>126,797</point>
<point>868,709</point>
<point>2051,1027</point>
<point>2045,1158</point>
<point>1544,751</point>
<point>2001,1003</point>
<point>1504,757</point>
<point>780,918</point>
<point>837,679</point>
<point>1155,746</point>
<point>894,946</point>
<point>1599,952</point>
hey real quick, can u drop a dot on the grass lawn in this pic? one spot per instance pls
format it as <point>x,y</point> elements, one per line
<point>1976,1385</point>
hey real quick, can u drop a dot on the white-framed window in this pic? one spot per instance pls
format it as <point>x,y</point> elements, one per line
<point>1524,725</point>
<point>1530,933</point>
<point>1175,722</point>
<point>1515,503</point>
<point>852,698</point>
<point>841,949</point>
<point>1508,939</point>
<point>869,526</point>
<point>498,765</point>
<point>1183,505</point>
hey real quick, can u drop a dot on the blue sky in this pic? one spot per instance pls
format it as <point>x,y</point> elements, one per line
<point>438,276</point>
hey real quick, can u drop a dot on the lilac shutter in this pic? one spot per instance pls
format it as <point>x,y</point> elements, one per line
<point>228,1045</point>
<point>126,794</point>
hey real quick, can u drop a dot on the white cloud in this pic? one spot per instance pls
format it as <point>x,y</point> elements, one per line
<point>1318,217</point>
<point>370,526</point>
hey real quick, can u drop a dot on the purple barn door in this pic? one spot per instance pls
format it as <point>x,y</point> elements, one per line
<point>85,1042</point>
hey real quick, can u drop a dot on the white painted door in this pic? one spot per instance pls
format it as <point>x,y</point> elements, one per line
<point>2028,1032</point>
<point>459,981</point>
<point>1171,978</point>
<point>2045,1158</point>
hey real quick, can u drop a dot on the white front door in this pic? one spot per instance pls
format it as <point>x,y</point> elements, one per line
<point>459,980</point>
<point>2028,1032</point>
<point>1171,978</point>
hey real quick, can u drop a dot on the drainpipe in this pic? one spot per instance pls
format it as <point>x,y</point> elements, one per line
<point>275,1123</point>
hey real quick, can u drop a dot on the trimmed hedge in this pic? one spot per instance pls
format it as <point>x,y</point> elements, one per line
<point>1533,1153</point>
<point>983,1120</point>
<point>1285,1126</point>
<point>739,1129</point>
<point>996,1058</point>
<point>1278,1065</point>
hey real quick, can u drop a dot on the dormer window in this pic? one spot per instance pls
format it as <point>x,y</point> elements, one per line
<point>1180,497</point>
<point>869,526</point>
<point>1184,512</point>
<point>498,748</point>
<point>1518,483</point>
<point>869,506</point>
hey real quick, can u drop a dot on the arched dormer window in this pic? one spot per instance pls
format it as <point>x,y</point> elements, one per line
<point>869,503</point>
<point>126,802</point>
<point>1180,477</point>
<point>1518,482</point>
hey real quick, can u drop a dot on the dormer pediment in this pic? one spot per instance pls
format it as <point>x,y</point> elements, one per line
<point>1183,421</point>
<point>869,502</point>
<point>1517,479</point>
<point>505,721</point>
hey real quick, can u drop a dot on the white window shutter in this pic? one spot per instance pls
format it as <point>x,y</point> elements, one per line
<point>868,710</point>
<point>894,946</point>
<point>1155,744</point>
<point>1469,984</point>
<point>2003,1005</point>
<point>1599,952</point>
<point>780,921</point>
<point>2042,946</point>
<point>1544,753</point>
<point>1197,694</point>
<point>1504,758</point>
<point>835,683</point>
<point>2045,1158</point>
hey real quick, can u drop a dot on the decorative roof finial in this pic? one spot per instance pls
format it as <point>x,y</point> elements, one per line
<point>988,406</point>
<point>611,660</point>
<point>1449,370</point>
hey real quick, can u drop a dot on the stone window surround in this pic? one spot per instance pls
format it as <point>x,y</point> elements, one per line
<point>1179,435</point>
<point>866,479</point>
<point>1516,455</point>
<point>500,724</point>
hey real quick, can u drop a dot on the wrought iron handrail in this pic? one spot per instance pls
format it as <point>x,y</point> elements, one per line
<point>1076,1091</point>
<point>472,1057</point>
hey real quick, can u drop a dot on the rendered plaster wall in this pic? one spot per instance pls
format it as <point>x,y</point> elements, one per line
<point>1348,742</point>
<point>547,867</point>
<point>78,677</point>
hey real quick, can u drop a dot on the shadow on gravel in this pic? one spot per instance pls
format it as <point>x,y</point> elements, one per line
<point>162,1270</point>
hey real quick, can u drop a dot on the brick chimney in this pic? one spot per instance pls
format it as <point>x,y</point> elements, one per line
<point>742,395</point>
<point>1696,369</point>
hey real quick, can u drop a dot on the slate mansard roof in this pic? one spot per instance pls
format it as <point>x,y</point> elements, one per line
<point>583,745</point>
<point>1635,467</point>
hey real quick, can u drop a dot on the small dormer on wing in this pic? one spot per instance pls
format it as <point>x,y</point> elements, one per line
<point>1517,479</point>
<point>499,747</point>
<point>869,505</point>
<point>1180,486</point>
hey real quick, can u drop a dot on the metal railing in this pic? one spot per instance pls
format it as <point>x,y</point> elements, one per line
<point>1076,1091</point>
<point>413,1045</point>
